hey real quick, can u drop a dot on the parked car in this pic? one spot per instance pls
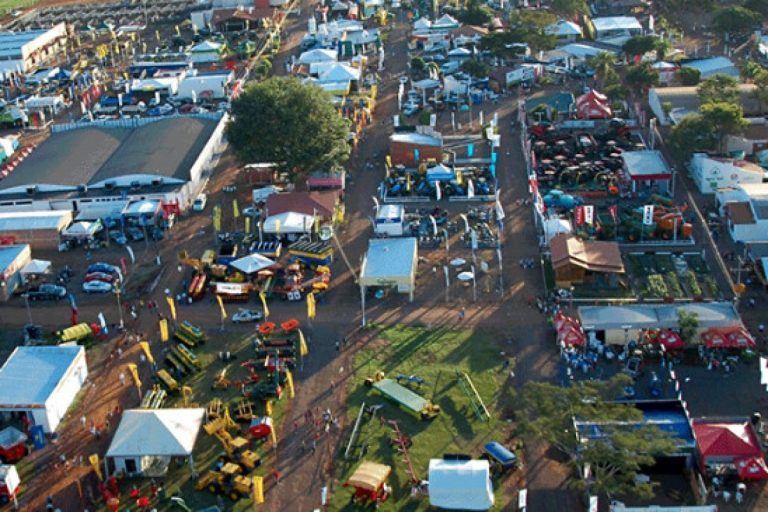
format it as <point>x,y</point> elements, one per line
<point>161,110</point>
<point>99,276</point>
<point>97,287</point>
<point>199,204</point>
<point>118,238</point>
<point>47,292</point>
<point>135,234</point>
<point>102,267</point>
<point>247,315</point>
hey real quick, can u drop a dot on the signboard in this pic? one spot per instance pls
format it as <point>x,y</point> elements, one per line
<point>589,214</point>
<point>521,74</point>
<point>648,214</point>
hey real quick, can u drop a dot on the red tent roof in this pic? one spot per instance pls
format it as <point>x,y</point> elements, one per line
<point>752,468</point>
<point>726,440</point>
<point>670,339</point>
<point>570,336</point>
<point>728,337</point>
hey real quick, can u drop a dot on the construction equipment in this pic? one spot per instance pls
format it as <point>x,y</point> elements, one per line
<point>188,357</point>
<point>221,381</point>
<point>167,381</point>
<point>236,447</point>
<point>154,398</point>
<point>214,409</point>
<point>244,410</point>
<point>475,400</point>
<point>186,394</point>
<point>403,396</point>
<point>227,481</point>
<point>369,481</point>
<point>189,334</point>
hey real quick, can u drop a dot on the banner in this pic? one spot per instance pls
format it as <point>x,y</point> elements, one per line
<point>135,374</point>
<point>263,297</point>
<point>247,225</point>
<point>438,191</point>
<point>217,218</point>
<point>470,150</point>
<point>648,214</point>
<point>163,330</point>
<point>470,189</point>
<point>235,209</point>
<point>289,382</point>
<point>416,154</point>
<point>589,214</point>
<point>96,465</point>
<point>303,348</point>
<point>434,225</point>
<point>388,161</point>
<point>147,352</point>
<point>474,240</point>
<point>221,307</point>
<point>72,302</point>
<point>130,253</point>
<point>578,215</point>
<point>614,211</point>
<point>311,306</point>
<point>171,306</point>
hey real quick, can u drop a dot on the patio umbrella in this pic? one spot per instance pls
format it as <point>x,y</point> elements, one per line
<point>572,337</point>
<point>740,338</point>
<point>713,339</point>
<point>752,468</point>
<point>670,340</point>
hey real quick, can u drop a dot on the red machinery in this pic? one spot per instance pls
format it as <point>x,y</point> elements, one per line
<point>13,445</point>
<point>260,427</point>
<point>10,484</point>
<point>369,481</point>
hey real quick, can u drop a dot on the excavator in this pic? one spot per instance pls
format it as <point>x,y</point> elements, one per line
<point>197,285</point>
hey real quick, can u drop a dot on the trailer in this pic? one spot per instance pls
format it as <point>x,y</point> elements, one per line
<point>403,396</point>
<point>13,445</point>
<point>311,253</point>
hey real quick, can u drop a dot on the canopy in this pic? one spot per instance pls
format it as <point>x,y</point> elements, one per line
<point>440,172</point>
<point>593,105</point>
<point>730,337</point>
<point>569,331</point>
<point>156,433</point>
<point>426,83</point>
<point>555,226</point>
<point>317,55</point>
<point>726,440</point>
<point>207,47</point>
<point>36,267</point>
<point>670,340</point>
<point>369,476</point>
<point>289,222</point>
<point>460,52</point>
<point>460,484</point>
<point>752,468</point>
<point>82,229</point>
<point>340,73</point>
<point>252,263</point>
<point>390,261</point>
<point>422,24</point>
<point>444,22</point>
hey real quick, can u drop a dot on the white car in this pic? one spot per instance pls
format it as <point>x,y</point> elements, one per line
<point>247,315</point>
<point>97,287</point>
<point>199,204</point>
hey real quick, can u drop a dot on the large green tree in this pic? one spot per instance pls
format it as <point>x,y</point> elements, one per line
<point>719,88</point>
<point>475,68</point>
<point>640,45</point>
<point>475,13</point>
<point>292,124</point>
<point>725,119</point>
<point>760,6</point>
<point>569,8</point>
<point>760,93</point>
<point>693,133</point>
<point>642,76</point>
<point>735,19</point>
<point>618,456</point>
<point>603,64</point>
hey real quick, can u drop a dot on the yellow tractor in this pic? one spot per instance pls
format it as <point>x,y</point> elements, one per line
<point>228,480</point>
<point>236,448</point>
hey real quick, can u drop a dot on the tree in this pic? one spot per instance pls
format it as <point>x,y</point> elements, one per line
<point>502,45</point>
<point>617,456</point>
<point>667,107</point>
<point>292,124</point>
<point>735,19</point>
<point>642,76</point>
<point>640,45</point>
<point>603,64</point>
<point>719,88</point>
<point>569,8</point>
<point>616,92</point>
<point>749,70</point>
<point>475,13</point>
<point>475,68</point>
<point>725,119</point>
<point>662,48</point>
<point>689,76</point>
<point>760,6</point>
<point>693,133</point>
<point>418,65</point>
<point>760,93</point>
<point>688,322</point>
<point>530,26</point>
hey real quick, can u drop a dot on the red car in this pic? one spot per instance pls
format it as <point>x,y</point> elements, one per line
<point>99,276</point>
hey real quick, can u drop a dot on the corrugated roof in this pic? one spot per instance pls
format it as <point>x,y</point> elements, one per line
<point>31,374</point>
<point>389,258</point>
<point>643,163</point>
<point>9,253</point>
<point>322,203</point>
<point>17,221</point>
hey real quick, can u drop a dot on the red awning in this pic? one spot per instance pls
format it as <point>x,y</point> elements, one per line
<point>752,468</point>
<point>733,337</point>
<point>671,340</point>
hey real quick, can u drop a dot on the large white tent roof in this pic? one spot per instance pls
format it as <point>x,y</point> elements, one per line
<point>317,55</point>
<point>340,73</point>
<point>31,374</point>
<point>252,263</point>
<point>388,260</point>
<point>289,222</point>
<point>37,267</point>
<point>156,433</point>
<point>460,484</point>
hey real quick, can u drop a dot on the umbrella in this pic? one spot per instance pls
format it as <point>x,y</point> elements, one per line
<point>572,337</point>
<point>465,276</point>
<point>752,468</point>
<point>670,340</point>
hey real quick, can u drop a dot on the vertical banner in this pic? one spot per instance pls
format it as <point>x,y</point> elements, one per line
<point>172,307</point>
<point>311,311</point>
<point>164,330</point>
<point>578,215</point>
<point>221,307</point>
<point>147,352</point>
<point>438,191</point>
<point>613,210</point>
<point>416,155</point>
<point>470,150</point>
<point>263,297</point>
<point>135,374</point>
<point>96,465</point>
<point>289,382</point>
<point>470,189</point>
<point>648,214</point>
<point>303,348</point>
<point>589,214</point>
<point>235,209</point>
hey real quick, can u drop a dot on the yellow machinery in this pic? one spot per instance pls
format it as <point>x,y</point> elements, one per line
<point>221,381</point>
<point>214,409</point>
<point>185,259</point>
<point>236,448</point>
<point>228,481</point>
<point>169,382</point>
<point>244,410</point>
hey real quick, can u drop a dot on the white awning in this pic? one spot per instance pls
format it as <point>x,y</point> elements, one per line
<point>36,267</point>
<point>289,222</point>
<point>252,263</point>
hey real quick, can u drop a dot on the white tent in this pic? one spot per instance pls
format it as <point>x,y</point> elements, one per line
<point>36,267</point>
<point>422,24</point>
<point>555,226</point>
<point>317,55</point>
<point>146,439</point>
<point>460,484</point>
<point>445,22</point>
<point>340,73</point>
<point>252,263</point>
<point>289,222</point>
<point>389,262</point>
<point>82,229</point>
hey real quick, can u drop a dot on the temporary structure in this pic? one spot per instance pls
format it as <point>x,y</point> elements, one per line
<point>42,382</point>
<point>36,267</point>
<point>147,439</point>
<point>460,484</point>
<point>252,263</point>
<point>389,263</point>
<point>289,222</point>
<point>82,229</point>
<point>593,105</point>
<point>317,55</point>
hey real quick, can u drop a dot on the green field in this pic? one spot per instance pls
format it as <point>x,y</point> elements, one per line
<point>436,356</point>
<point>6,6</point>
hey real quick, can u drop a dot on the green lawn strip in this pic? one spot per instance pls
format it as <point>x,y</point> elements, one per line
<point>434,355</point>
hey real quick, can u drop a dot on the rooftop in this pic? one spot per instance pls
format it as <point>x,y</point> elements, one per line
<point>322,203</point>
<point>646,164</point>
<point>740,213</point>
<point>589,254</point>
<point>166,148</point>
<point>27,221</point>
<point>663,316</point>
<point>389,258</point>
<point>686,98</point>
<point>616,23</point>
<point>415,138</point>
<point>9,253</point>
<point>30,374</point>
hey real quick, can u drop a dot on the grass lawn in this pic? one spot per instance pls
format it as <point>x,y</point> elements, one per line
<point>10,5</point>
<point>436,356</point>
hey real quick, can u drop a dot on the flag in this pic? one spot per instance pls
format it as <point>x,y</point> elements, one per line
<point>416,154</point>
<point>470,189</point>
<point>257,494</point>
<point>268,408</point>
<point>578,215</point>
<point>648,214</point>
<point>613,210</point>
<point>147,352</point>
<point>72,302</point>
<point>589,214</point>
<point>311,306</point>
<point>466,221</point>
<point>459,177</point>
<point>172,306</point>
<point>247,225</point>
<point>235,209</point>
<point>388,161</point>
<point>277,226</point>
<point>408,182</point>
<point>470,150</point>
<point>533,185</point>
<point>475,245</point>
<point>178,31</point>
<point>289,382</point>
<point>263,297</point>
<point>303,348</point>
<point>96,465</point>
<point>163,330</point>
<point>273,433</point>
<point>124,265</point>
<point>221,307</point>
<point>438,191</point>
<point>157,35</point>
<point>135,374</point>
<point>375,202</point>
<point>499,210</point>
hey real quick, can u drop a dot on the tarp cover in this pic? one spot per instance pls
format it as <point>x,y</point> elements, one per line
<point>460,484</point>
<point>156,433</point>
<point>369,476</point>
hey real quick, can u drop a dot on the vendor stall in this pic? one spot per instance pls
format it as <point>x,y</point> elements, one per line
<point>389,263</point>
<point>290,223</point>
